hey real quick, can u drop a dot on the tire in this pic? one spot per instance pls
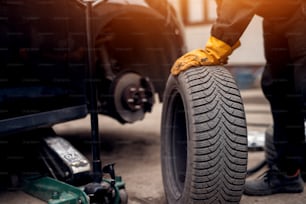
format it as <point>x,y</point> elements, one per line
<point>203,138</point>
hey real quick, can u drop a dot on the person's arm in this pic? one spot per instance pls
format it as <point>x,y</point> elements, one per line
<point>233,18</point>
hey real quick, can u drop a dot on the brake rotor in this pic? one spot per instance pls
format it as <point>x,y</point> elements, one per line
<point>133,96</point>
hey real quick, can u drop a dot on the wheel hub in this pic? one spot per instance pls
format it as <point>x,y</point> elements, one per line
<point>133,96</point>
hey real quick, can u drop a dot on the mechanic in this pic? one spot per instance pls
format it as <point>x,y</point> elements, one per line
<point>283,80</point>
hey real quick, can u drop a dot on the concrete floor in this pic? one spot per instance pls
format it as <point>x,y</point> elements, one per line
<point>135,150</point>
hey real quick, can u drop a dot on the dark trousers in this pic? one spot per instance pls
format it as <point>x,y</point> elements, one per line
<point>284,85</point>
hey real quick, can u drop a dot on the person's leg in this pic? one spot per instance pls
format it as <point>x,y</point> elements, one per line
<point>278,84</point>
<point>282,82</point>
<point>297,45</point>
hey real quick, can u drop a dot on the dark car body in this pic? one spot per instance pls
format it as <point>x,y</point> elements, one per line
<point>44,59</point>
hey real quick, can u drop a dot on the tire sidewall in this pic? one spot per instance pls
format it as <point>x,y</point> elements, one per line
<point>176,86</point>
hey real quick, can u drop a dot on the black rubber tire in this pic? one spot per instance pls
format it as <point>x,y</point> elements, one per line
<point>203,138</point>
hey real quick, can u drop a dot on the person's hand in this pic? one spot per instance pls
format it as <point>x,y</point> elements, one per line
<point>195,58</point>
<point>216,52</point>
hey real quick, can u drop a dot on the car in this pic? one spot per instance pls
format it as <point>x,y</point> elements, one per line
<point>44,71</point>
<point>61,60</point>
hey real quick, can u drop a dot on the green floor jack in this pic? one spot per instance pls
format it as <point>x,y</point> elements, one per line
<point>69,167</point>
<point>70,177</point>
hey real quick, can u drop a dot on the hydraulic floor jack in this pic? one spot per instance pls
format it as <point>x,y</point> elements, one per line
<point>70,178</point>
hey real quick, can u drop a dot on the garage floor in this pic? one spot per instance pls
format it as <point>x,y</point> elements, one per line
<point>135,150</point>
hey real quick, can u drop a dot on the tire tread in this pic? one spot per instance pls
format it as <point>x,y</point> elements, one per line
<point>219,121</point>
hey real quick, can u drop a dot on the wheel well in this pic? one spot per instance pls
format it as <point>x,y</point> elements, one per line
<point>139,42</point>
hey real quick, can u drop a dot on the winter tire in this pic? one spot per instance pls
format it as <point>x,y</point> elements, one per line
<point>203,138</point>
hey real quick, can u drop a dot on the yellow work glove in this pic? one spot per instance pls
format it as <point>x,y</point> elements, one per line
<point>216,52</point>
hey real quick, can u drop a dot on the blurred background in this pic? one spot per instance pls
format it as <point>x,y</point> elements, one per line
<point>135,148</point>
